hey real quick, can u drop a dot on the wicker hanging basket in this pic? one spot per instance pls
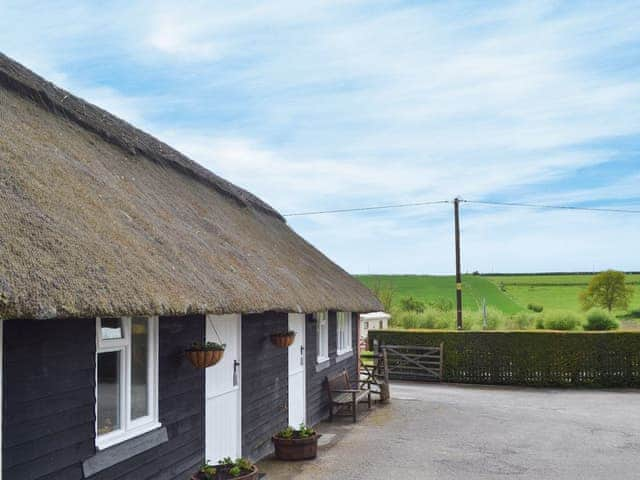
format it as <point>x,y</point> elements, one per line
<point>283,340</point>
<point>204,358</point>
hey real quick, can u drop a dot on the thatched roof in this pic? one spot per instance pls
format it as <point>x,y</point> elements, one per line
<point>99,218</point>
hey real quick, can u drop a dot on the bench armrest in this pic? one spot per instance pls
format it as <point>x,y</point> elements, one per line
<point>346,391</point>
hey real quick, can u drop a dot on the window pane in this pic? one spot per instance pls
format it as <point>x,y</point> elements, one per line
<point>111,328</point>
<point>108,392</point>
<point>139,367</point>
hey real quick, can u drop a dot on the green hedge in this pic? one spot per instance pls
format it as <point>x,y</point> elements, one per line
<point>539,358</point>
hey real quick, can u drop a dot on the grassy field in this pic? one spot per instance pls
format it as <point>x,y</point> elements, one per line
<point>554,292</point>
<point>509,294</point>
<point>431,287</point>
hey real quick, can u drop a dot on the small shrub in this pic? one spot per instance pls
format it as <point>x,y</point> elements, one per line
<point>495,319</point>
<point>562,321</point>
<point>407,320</point>
<point>410,304</point>
<point>429,319</point>
<point>600,319</point>
<point>522,321</point>
<point>442,304</point>
<point>534,307</point>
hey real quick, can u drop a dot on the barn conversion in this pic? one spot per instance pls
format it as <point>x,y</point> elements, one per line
<point>116,253</point>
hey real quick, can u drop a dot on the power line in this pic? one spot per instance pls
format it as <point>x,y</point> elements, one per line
<point>363,209</point>
<point>551,207</point>
<point>477,202</point>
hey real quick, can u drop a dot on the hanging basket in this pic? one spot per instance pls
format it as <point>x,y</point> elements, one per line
<point>206,354</point>
<point>204,358</point>
<point>283,340</point>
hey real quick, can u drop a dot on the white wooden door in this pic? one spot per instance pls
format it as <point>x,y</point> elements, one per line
<point>223,401</point>
<point>297,382</point>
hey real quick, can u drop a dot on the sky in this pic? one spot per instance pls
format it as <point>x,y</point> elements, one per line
<point>337,104</point>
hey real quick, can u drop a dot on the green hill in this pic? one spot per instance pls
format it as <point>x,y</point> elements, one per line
<point>507,293</point>
<point>554,292</point>
<point>429,288</point>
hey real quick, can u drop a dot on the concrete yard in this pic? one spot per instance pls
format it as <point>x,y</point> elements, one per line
<point>470,432</point>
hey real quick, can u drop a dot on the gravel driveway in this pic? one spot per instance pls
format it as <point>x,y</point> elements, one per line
<point>467,432</point>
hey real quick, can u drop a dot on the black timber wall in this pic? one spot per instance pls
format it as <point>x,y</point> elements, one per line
<point>49,402</point>
<point>265,383</point>
<point>48,391</point>
<point>317,399</point>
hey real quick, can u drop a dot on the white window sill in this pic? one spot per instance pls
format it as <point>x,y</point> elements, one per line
<point>323,364</point>
<point>105,459</point>
<point>344,355</point>
<point>110,440</point>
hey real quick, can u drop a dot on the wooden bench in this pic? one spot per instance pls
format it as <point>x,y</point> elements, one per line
<point>343,396</point>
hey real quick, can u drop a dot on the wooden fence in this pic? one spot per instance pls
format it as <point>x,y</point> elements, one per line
<point>407,362</point>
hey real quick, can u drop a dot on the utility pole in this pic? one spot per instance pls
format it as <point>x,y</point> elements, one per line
<point>456,207</point>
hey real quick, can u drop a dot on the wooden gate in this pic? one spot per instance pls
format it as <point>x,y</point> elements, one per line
<point>407,362</point>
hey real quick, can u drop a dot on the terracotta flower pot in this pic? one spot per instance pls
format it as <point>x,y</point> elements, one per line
<point>283,340</point>
<point>204,358</point>
<point>224,475</point>
<point>296,448</point>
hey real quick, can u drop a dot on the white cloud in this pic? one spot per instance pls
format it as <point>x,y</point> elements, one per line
<point>318,104</point>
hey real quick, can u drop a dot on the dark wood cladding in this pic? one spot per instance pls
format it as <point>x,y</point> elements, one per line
<point>265,382</point>
<point>317,398</point>
<point>48,390</point>
<point>49,402</point>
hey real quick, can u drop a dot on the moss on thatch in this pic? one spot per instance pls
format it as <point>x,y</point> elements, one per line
<point>99,218</point>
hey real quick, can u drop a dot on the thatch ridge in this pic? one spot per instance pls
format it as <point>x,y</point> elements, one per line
<point>109,221</point>
<point>115,130</point>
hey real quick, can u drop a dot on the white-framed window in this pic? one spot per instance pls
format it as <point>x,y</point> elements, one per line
<point>126,378</point>
<point>344,332</point>
<point>322,336</point>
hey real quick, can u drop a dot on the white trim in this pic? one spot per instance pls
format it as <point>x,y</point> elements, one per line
<point>129,428</point>
<point>322,336</point>
<point>344,332</point>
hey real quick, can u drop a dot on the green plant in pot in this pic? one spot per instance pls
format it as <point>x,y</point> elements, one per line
<point>227,469</point>
<point>207,354</point>
<point>296,444</point>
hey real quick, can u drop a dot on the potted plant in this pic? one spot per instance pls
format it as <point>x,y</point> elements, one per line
<point>300,444</point>
<point>283,339</point>
<point>203,355</point>
<point>227,469</point>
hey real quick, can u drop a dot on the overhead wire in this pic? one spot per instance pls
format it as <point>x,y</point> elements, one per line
<point>477,202</point>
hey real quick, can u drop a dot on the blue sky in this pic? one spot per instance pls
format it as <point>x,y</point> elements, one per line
<point>326,104</point>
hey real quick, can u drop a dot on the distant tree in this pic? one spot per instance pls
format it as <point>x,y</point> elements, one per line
<point>410,304</point>
<point>534,307</point>
<point>442,304</point>
<point>385,293</point>
<point>607,290</point>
